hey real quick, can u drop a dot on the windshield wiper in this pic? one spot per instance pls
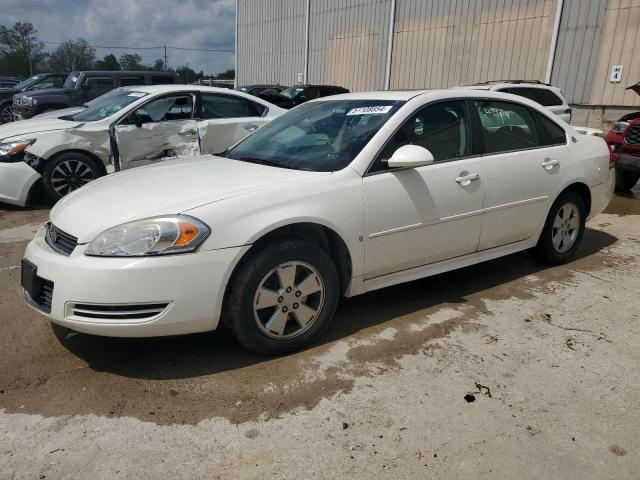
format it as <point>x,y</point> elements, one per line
<point>261,161</point>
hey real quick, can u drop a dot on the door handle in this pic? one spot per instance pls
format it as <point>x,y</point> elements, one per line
<point>467,179</point>
<point>548,164</point>
<point>187,132</point>
<point>251,127</point>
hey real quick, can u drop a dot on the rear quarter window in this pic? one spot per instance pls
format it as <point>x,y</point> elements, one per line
<point>548,98</point>
<point>550,132</point>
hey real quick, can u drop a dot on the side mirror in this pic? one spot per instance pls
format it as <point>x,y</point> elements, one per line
<point>410,156</point>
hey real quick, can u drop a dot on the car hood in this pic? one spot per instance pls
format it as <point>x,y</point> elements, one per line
<point>24,128</point>
<point>59,113</point>
<point>170,187</point>
<point>47,91</point>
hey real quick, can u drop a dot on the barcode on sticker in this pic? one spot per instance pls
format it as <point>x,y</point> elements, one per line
<point>379,109</point>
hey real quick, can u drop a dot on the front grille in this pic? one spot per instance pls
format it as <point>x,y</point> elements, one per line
<point>138,311</point>
<point>632,137</point>
<point>60,241</point>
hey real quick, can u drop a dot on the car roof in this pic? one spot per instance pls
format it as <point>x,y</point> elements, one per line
<point>172,87</point>
<point>377,95</point>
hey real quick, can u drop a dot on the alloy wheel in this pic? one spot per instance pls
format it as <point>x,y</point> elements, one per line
<point>566,226</point>
<point>70,175</point>
<point>288,300</point>
<point>6,114</point>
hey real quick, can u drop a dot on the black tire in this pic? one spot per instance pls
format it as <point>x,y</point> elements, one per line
<point>239,306</point>
<point>6,113</point>
<point>626,180</point>
<point>546,250</point>
<point>68,172</point>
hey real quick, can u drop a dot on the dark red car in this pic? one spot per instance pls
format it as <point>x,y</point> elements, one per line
<point>624,143</point>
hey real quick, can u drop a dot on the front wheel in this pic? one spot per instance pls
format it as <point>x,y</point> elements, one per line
<point>6,113</point>
<point>625,180</point>
<point>563,229</point>
<point>282,298</point>
<point>67,173</point>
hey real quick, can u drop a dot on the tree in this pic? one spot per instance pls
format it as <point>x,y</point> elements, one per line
<point>158,65</point>
<point>131,61</point>
<point>187,74</point>
<point>109,62</point>
<point>20,50</point>
<point>227,75</point>
<point>73,55</point>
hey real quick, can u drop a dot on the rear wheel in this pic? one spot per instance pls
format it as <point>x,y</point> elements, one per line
<point>6,113</point>
<point>67,173</point>
<point>563,229</point>
<point>282,298</point>
<point>626,180</point>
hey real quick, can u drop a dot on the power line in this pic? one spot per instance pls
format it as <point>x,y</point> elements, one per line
<point>113,47</point>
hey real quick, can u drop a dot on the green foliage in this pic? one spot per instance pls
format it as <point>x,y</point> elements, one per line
<point>109,62</point>
<point>21,53</point>
<point>131,61</point>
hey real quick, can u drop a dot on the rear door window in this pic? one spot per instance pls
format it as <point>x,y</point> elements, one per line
<point>548,98</point>
<point>506,126</point>
<point>217,105</point>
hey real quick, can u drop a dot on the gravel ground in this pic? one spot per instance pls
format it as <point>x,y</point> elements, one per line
<point>382,395</point>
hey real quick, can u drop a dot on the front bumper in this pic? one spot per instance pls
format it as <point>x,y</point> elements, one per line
<point>24,112</point>
<point>192,286</point>
<point>627,162</point>
<point>16,179</point>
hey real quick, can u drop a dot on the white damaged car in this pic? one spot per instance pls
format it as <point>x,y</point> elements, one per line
<point>126,128</point>
<point>340,196</point>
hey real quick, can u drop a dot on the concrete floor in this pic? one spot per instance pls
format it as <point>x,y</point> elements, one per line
<point>380,396</point>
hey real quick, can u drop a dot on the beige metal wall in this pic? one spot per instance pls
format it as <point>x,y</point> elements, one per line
<point>620,46</point>
<point>442,44</point>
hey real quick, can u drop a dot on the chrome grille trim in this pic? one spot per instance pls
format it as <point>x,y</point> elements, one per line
<point>59,241</point>
<point>116,312</point>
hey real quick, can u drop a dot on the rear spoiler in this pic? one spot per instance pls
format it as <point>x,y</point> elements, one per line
<point>594,132</point>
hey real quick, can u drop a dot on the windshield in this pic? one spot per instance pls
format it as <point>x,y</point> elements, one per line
<point>28,82</point>
<point>71,80</point>
<point>292,92</point>
<point>106,105</point>
<point>318,136</point>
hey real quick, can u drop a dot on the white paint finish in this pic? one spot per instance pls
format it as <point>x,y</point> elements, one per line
<point>422,215</point>
<point>518,188</point>
<point>155,142</point>
<point>421,220</point>
<point>137,146</point>
<point>15,181</point>
<point>218,134</point>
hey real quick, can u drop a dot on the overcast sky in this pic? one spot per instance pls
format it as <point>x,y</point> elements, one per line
<point>136,23</point>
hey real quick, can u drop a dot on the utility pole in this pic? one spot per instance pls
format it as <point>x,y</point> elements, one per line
<point>165,58</point>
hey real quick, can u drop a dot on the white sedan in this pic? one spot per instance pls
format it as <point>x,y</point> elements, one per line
<point>125,128</point>
<point>337,197</point>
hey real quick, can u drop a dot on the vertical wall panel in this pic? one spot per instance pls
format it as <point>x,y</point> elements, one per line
<point>271,41</point>
<point>578,48</point>
<point>620,46</point>
<point>439,43</point>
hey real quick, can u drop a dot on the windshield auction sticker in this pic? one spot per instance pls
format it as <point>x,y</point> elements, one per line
<point>376,110</point>
<point>136,94</point>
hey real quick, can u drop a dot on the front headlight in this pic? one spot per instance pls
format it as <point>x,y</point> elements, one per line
<point>28,101</point>
<point>151,236</point>
<point>619,127</point>
<point>11,150</point>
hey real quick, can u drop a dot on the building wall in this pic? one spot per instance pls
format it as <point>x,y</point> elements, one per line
<point>271,41</point>
<point>442,43</point>
<point>578,48</point>
<point>620,46</point>
<point>348,43</point>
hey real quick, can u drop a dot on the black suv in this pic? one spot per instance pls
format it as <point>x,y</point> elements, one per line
<point>80,87</point>
<point>41,81</point>
<point>298,94</point>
